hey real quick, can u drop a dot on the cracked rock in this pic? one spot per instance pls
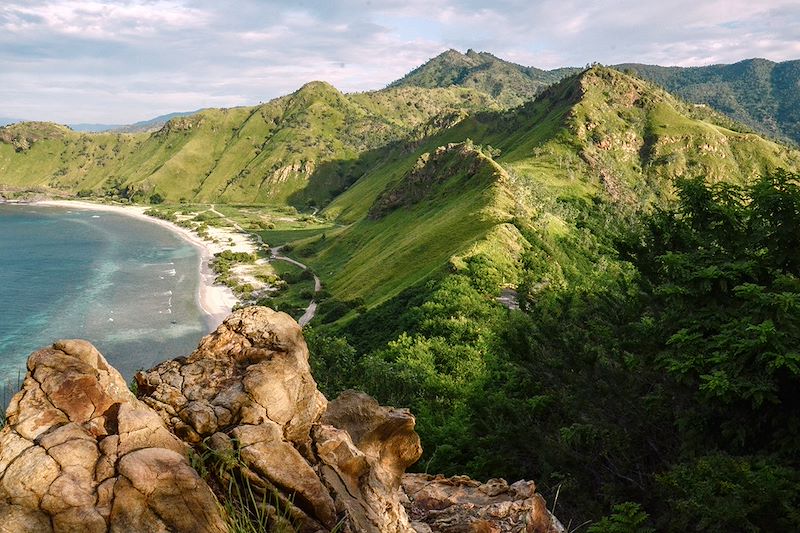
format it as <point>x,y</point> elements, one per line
<point>81,453</point>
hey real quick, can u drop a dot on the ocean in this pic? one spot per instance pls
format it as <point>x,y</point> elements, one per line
<point>127,286</point>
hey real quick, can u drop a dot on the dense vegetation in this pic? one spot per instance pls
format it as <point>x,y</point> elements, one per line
<point>663,370</point>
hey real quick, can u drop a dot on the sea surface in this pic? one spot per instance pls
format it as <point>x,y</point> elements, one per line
<point>126,285</point>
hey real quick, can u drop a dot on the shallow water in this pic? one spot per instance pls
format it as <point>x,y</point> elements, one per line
<point>126,285</point>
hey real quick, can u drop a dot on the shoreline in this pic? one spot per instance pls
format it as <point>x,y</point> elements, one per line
<point>214,300</point>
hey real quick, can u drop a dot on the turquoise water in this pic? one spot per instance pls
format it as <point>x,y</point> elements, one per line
<point>126,285</point>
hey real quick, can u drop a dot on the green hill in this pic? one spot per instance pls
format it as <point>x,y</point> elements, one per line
<point>450,200</point>
<point>757,92</point>
<point>650,342</point>
<point>265,154</point>
<point>601,136</point>
<point>509,83</point>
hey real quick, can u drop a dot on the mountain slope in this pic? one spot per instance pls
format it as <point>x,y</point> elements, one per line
<point>509,83</point>
<point>599,138</point>
<point>757,92</point>
<point>264,154</point>
<point>449,201</point>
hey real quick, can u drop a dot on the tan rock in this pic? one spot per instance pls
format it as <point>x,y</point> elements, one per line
<point>81,453</point>
<point>460,504</point>
<point>19,519</point>
<point>74,434</point>
<point>253,372</point>
<point>364,450</point>
<point>171,489</point>
<point>253,368</point>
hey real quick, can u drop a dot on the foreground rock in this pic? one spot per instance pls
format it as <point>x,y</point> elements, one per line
<point>247,392</point>
<point>81,453</point>
<point>462,505</point>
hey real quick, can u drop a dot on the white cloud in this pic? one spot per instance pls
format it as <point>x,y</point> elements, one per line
<point>125,60</point>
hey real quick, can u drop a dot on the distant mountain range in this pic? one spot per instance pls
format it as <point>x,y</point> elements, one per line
<point>137,127</point>
<point>759,93</point>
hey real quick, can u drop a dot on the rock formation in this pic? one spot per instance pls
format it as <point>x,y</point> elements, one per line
<point>460,504</point>
<point>80,453</point>
<point>237,428</point>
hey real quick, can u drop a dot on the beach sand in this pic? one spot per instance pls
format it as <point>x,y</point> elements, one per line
<point>215,300</point>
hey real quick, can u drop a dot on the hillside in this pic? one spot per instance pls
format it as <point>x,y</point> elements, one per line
<point>598,136</point>
<point>596,288</point>
<point>270,153</point>
<point>646,362</point>
<point>757,92</point>
<point>452,199</point>
<point>508,83</point>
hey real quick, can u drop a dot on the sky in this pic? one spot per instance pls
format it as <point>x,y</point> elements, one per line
<point>117,62</point>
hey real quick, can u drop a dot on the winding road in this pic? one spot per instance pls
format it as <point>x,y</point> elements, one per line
<point>275,254</point>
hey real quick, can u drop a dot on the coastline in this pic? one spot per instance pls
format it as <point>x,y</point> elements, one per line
<point>214,300</point>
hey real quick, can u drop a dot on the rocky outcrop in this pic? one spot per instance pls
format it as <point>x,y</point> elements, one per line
<point>455,162</point>
<point>80,452</point>
<point>462,505</point>
<point>247,392</point>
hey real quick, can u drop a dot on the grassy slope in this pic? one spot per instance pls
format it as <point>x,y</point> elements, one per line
<point>602,135</point>
<point>282,151</point>
<point>376,258</point>
<point>756,92</point>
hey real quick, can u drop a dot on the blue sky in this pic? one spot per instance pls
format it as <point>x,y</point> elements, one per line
<point>122,61</point>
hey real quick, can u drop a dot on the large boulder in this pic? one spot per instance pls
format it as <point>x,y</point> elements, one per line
<point>80,453</point>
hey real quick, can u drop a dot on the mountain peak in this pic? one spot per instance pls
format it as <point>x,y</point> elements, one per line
<point>509,83</point>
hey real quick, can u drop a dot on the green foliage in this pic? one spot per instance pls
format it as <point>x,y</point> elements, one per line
<point>654,363</point>
<point>247,504</point>
<point>626,517</point>
<point>333,361</point>
<point>723,270</point>
<point>721,493</point>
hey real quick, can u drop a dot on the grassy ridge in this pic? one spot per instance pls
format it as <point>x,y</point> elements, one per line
<point>293,149</point>
<point>602,136</point>
<point>377,257</point>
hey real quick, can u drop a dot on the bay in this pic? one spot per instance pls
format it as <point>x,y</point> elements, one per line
<point>127,286</point>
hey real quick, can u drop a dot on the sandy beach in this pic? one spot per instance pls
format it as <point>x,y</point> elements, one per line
<point>215,300</point>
